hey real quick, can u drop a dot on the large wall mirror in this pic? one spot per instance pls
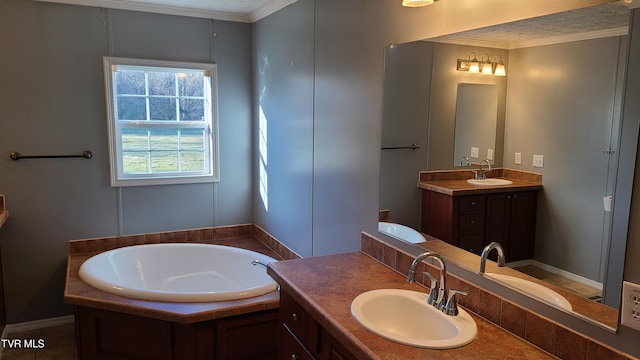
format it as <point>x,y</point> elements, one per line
<point>551,103</point>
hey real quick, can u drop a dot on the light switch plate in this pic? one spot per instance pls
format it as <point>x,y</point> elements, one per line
<point>518,158</point>
<point>475,152</point>
<point>630,305</point>
<point>538,161</point>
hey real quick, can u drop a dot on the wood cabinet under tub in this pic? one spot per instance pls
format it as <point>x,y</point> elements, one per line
<point>107,335</point>
<point>471,221</point>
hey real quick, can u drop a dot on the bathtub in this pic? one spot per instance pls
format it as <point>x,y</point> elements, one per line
<point>401,232</point>
<point>181,272</point>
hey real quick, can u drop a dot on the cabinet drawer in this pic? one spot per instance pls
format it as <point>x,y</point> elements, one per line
<point>474,203</point>
<point>471,222</point>
<point>302,325</point>
<point>291,348</point>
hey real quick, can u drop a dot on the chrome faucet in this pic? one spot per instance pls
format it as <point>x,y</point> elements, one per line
<point>463,160</point>
<point>481,174</point>
<point>485,253</point>
<point>439,300</point>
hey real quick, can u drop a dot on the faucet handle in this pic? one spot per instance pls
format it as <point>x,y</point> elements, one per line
<point>451,308</point>
<point>432,299</point>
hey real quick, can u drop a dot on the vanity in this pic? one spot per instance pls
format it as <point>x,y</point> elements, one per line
<point>470,216</point>
<point>316,323</point>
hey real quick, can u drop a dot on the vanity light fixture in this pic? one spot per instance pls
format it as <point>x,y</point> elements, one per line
<point>499,67</point>
<point>484,66</point>
<point>416,3</point>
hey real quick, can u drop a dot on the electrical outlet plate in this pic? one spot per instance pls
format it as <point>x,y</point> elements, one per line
<point>518,158</point>
<point>538,161</point>
<point>631,305</point>
<point>489,154</point>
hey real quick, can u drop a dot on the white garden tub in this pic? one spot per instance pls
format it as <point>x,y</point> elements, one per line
<point>180,272</point>
<point>401,232</point>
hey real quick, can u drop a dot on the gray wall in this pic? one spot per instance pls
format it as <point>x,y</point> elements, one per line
<point>52,97</point>
<point>554,110</point>
<point>405,121</point>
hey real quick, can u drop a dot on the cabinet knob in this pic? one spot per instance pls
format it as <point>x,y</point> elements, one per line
<point>473,203</point>
<point>294,357</point>
<point>472,221</point>
<point>294,316</point>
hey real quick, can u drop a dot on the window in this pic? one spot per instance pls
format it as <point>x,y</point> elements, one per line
<point>162,121</point>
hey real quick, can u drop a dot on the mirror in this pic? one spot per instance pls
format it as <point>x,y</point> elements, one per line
<point>548,107</point>
<point>476,117</point>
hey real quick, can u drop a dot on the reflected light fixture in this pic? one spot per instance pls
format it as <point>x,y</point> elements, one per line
<point>486,67</point>
<point>416,3</point>
<point>499,67</point>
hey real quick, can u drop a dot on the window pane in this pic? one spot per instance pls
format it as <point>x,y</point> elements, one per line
<point>192,160</point>
<point>130,82</point>
<point>162,109</point>
<point>191,109</point>
<point>132,108</point>
<point>192,139</point>
<point>190,84</point>
<point>135,162</point>
<point>164,139</point>
<point>135,139</point>
<point>162,83</point>
<point>164,161</point>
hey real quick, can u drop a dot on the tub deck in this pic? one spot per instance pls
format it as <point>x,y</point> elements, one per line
<point>79,293</point>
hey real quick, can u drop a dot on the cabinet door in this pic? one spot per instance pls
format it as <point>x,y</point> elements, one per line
<point>522,230</point>
<point>249,336</point>
<point>497,226</point>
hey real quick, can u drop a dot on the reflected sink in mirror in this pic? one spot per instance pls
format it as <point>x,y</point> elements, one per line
<point>404,316</point>
<point>533,289</point>
<point>490,182</point>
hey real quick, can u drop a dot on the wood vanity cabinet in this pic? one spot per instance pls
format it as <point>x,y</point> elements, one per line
<point>302,337</point>
<point>107,335</point>
<point>472,221</point>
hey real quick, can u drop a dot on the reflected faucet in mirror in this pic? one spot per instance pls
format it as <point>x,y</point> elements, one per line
<point>480,174</point>
<point>485,254</point>
<point>465,160</point>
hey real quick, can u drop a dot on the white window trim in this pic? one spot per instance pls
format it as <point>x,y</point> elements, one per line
<point>116,177</point>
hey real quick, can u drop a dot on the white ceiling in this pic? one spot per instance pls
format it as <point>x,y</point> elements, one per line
<point>232,10</point>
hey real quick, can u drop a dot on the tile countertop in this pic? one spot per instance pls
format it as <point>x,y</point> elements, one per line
<point>327,297</point>
<point>455,182</point>
<point>462,187</point>
<point>79,293</point>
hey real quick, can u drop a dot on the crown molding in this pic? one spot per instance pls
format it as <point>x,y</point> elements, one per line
<point>573,37</point>
<point>158,9</point>
<point>269,9</point>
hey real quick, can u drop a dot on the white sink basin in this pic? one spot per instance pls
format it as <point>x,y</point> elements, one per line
<point>405,317</point>
<point>533,289</point>
<point>490,182</point>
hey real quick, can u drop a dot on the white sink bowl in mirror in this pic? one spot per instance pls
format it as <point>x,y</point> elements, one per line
<point>490,182</point>
<point>536,290</point>
<point>405,317</point>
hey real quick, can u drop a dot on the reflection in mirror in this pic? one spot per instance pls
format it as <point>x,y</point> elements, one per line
<point>476,117</point>
<point>566,110</point>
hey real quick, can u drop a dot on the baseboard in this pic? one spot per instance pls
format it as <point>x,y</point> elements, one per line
<point>560,272</point>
